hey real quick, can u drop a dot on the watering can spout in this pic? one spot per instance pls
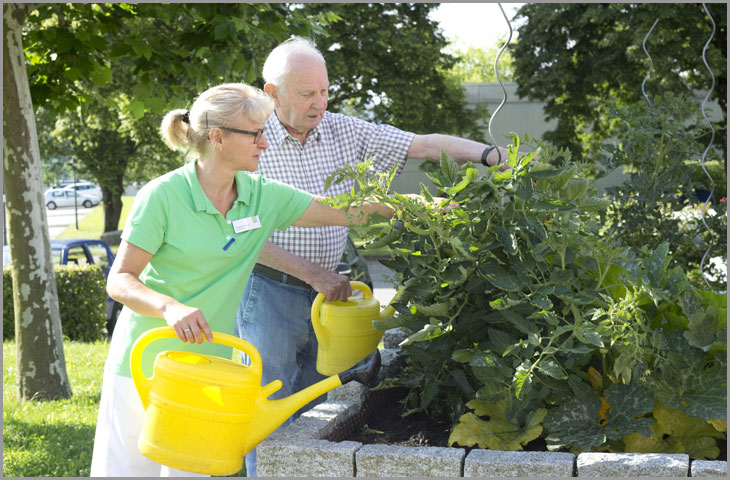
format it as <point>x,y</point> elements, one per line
<point>389,311</point>
<point>272,413</point>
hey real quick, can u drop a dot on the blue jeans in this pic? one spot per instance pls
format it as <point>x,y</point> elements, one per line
<point>276,319</point>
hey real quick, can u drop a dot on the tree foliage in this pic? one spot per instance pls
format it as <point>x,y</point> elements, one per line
<point>476,64</point>
<point>386,63</point>
<point>577,56</point>
<point>109,71</point>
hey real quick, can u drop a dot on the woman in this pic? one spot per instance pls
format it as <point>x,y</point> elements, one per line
<point>188,248</point>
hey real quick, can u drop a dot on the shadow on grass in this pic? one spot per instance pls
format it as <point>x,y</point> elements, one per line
<point>46,449</point>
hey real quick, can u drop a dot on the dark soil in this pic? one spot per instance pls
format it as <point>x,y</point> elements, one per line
<point>385,425</point>
<point>382,423</point>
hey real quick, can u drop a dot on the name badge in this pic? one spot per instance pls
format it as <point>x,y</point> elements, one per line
<point>246,224</point>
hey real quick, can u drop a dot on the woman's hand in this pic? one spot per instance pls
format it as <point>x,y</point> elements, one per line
<point>188,322</point>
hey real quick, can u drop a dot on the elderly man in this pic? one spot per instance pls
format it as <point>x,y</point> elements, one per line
<point>307,144</point>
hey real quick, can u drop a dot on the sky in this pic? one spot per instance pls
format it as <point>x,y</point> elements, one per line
<point>476,24</point>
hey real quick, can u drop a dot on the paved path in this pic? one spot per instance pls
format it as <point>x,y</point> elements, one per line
<point>382,288</point>
<point>60,218</point>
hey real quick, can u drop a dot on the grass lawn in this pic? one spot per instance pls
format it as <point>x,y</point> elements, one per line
<point>55,439</point>
<point>92,224</point>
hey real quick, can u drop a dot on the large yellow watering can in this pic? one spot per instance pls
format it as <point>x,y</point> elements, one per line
<point>345,330</point>
<point>204,413</point>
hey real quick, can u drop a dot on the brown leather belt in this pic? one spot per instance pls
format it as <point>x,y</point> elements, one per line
<point>280,277</point>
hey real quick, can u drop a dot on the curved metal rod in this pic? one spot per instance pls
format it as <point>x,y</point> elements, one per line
<point>651,64</point>
<point>504,91</point>
<point>709,145</point>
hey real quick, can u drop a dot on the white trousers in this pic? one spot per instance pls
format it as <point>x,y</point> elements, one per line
<point>117,430</point>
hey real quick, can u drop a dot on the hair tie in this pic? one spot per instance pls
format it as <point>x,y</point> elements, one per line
<point>186,117</point>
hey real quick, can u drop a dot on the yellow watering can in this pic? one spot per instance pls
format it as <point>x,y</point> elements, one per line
<point>345,330</point>
<point>204,413</point>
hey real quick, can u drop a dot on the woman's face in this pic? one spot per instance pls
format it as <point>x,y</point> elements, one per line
<point>242,150</point>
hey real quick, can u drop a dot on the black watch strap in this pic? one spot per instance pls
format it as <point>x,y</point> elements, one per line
<point>485,153</point>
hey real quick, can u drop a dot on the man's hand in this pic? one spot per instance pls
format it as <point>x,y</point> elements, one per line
<point>335,287</point>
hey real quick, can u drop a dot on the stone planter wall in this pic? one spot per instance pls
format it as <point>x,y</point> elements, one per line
<point>311,447</point>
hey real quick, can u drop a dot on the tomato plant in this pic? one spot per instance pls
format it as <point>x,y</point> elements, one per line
<point>525,321</point>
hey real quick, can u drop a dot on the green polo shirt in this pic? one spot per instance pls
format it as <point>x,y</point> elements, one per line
<point>174,221</point>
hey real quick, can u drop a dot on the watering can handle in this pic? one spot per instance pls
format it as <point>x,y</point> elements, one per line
<point>143,384</point>
<point>319,330</point>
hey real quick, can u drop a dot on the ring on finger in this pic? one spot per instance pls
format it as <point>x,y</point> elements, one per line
<point>186,330</point>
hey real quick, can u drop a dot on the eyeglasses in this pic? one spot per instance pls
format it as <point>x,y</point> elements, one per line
<point>256,135</point>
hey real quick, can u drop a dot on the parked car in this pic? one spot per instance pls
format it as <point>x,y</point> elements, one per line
<point>82,186</point>
<point>64,197</point>
<point>76,251</point>
<point>353,265</point>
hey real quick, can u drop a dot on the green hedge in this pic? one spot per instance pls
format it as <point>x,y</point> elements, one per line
<point>81,300</point>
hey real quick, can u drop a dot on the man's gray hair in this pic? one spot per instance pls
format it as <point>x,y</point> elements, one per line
<point>278,63</point>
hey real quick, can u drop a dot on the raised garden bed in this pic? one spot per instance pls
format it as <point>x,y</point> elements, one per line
<point>316,445</point>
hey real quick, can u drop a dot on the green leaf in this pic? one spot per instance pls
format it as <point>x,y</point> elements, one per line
<point>702,329</point>
<point>504,302</point>
<point>684,384</point>
<point>499,277</point>
<point>552,368</point>
<point>137,109</point>
<point>101,75</point>
<point>575,423</point>
<point>507,239</point>
<point>429,392</point>
<point>496,433</point>
<point>437,310</point>
<point>462,356</point>
<point>449,168</point>
<point>73,74</point>
<point>541,301</point>
<point>628,405</point>
<point>501,340</point>
<point>471,174</point>
<point>461,381</point>
<point>522,379</point>
<point>141,47</point>
<point>575,189</point>
<point>657,264</point>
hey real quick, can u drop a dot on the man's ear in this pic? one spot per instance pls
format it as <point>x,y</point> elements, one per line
<point>271,90</point>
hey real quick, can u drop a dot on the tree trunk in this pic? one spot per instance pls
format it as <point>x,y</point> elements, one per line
<point>39,345</point>
<point>113,206</point>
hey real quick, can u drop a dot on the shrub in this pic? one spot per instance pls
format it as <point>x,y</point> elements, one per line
<point>525,322</point>
<point>81,301</point>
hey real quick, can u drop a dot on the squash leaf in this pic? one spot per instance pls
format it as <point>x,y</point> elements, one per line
<point>685,384</point>
<point>674,432</point>
<point>495,432</point>
<point>576,424</point>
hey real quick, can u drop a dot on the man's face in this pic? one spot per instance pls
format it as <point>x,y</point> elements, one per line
<point>302,100</point>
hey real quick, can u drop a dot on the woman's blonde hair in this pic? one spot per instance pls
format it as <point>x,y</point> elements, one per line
<point>217,106</point>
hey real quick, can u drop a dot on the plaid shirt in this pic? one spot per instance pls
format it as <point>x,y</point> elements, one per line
<point>336,141</point>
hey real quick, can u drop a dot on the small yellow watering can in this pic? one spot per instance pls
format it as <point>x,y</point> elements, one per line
<point>345,330</point>
<point>204,413</point>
